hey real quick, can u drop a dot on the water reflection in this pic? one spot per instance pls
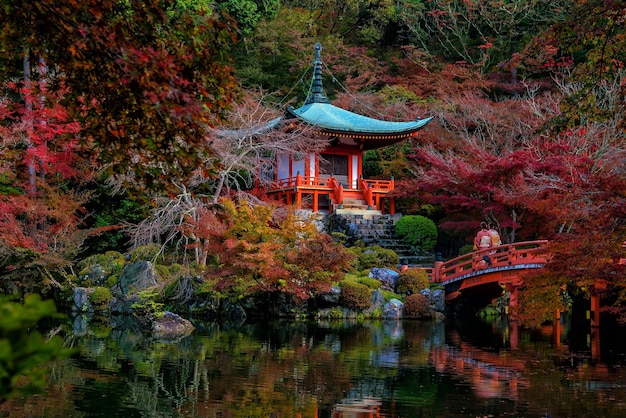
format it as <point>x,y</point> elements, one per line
<point>337,369</point>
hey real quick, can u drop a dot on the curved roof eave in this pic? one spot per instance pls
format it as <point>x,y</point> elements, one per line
<point>329,117</point>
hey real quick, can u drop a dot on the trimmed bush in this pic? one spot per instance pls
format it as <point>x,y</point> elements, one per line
<point>375,256</point>
<point>370,282</point>
<point>355,296</point>
<point>412,281</point>
<point>100,298</point>
<point>416,306</point>
<point>418,231</point>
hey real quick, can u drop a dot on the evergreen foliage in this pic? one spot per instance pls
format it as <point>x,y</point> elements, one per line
<point>23,350</point>
<point>412,280</point>
<point>355,296</point>
<point>417,231</point>
<point>375,256</point>
<point>416,306</point>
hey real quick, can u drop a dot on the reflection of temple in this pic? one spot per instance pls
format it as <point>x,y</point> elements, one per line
<point>358,408</point>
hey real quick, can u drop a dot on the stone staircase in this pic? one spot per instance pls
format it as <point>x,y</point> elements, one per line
<point>373,228</point>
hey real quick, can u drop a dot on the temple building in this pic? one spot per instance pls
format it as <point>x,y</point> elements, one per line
<point>333,180</point>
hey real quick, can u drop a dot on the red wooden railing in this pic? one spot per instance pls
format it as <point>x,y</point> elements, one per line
<point>300,181</point>
<point>367,191</point>
<point>337,189</point>
<point>292,189</point>
<point>507,255</point>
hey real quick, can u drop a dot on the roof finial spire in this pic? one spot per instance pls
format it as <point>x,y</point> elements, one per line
<point>317,89</point>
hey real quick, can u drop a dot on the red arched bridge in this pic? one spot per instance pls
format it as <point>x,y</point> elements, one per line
<point>486,272</point>
<point>482,275</point>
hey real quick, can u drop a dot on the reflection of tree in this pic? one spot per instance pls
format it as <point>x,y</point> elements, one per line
<point>291,368</point>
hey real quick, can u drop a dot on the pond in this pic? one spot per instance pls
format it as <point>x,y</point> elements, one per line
<point>480,368</point>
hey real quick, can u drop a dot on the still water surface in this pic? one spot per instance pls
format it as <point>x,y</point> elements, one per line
<point>482,368</point>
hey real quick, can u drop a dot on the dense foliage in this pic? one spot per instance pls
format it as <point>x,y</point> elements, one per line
<point>418,231</point>
<point>24,350</point>
<point>528,100</point>
<point>355,296</point>
<point>412,280</point>
<point>142,77</point>
<point>416,306</point>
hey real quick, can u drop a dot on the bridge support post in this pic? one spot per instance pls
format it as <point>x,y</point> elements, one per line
<point>512,289</point>
<point>598,288</point>
<point>594,342</point>
<point>514,334</point>
<point>557,329</point>
<point>595,310</point>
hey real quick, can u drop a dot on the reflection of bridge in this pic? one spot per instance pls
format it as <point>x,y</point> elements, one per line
<point>472,271</point>
<point>490,374</point>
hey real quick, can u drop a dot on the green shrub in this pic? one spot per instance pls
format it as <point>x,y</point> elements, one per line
<point>418,231</point>
<point>412,280</point>
<point>339,237</point>
<point>416,306</point>
<point>149,304</point>
<point>112,262</point>
<point>112,280</point>
<point>163,272</point>
<point>355,296</point>
<point>375,256</point>
<point>24,350</point>
<point>370,282</point>
<point>466,249</point>
<point>388,295</point>
<point>100,298</point>
<point>145,253</point>
<point>376,314</point>
<point>335,313</point>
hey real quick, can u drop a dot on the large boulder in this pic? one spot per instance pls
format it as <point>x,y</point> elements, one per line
<point>393,309</point>
<point>97,274</point>
<point>80,299</point>
<point>378,300</point>
<point>436,299</point>
<point>171,327</point>
<point>387,277</point>
<point>137,277</point>
<point>329,299</point>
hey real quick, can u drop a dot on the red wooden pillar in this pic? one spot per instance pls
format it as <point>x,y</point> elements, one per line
<point>315,201</point>
<point>514,334</point>
<point>392,206</point>
<point>298,193</point>
<point>298,199</point>
<point>512,289</point>
<point>513,297</point>
<point>557,329</point>
<point>599,286</point>
<point>595,343</point>
<point>595,309</point>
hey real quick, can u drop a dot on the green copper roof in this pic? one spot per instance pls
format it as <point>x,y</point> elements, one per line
<point>329,117</point>
<point>366,132</point>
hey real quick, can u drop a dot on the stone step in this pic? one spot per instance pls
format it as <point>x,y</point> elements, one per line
<point>359,211</point>
<point>353,201</point>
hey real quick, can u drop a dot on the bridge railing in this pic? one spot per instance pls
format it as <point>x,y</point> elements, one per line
<point>526,252</point>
